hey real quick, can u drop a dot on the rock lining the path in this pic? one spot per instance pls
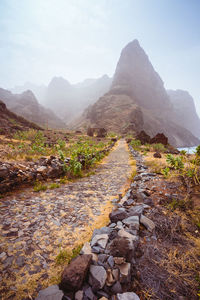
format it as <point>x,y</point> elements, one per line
<point>114,248</point>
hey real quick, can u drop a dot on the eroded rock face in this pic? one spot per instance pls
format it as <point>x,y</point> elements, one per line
<point>74,274</point>
<point>160,138</point>
<point>143,137</point>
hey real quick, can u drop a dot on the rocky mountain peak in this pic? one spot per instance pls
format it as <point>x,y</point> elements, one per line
<point>59,82</point>
<point>136,77</point>
<point>28,97</point>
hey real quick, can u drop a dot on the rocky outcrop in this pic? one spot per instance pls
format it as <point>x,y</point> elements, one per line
<point>160,138</point>
<point>185,111</point>
<point>136,101</point>
<point>27,106</point>
<point>10,122</point>
<point>143,137</point>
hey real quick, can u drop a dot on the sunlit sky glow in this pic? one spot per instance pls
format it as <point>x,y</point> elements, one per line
<point>79,39</point>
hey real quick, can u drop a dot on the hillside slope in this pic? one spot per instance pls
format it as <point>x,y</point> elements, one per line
<point>10,122</point>
<point>27,106</point>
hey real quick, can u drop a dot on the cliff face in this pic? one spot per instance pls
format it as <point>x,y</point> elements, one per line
<point>27,106</point>
<point>185,111</point>
<point>137,100</point>
<point>136,76</point>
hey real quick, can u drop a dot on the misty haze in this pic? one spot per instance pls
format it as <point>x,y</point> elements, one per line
<point>99,149</point>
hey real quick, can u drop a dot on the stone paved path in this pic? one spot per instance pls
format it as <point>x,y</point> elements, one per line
<point>34,226</point>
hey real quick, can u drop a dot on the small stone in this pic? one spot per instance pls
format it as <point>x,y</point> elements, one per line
<point>100,240</point>
<point>133,221</point>
<point>127,296</point>
<point>118,215</point>
<point>116,288</point>
<point>50,293</point>
<point>129,202</point>
<point>79,295</point>
<point>98,277</point>
<point>123,233</point>
<point>42,169</point>
<point>136,210</point>
<point>112,225</point>
<point>102,230</point>
<point>110,279</point>
<point>121,247</point>
<point>88,250</point>
<point>119,260</point>
<point>3,255</point>
<point>125,272</point>
<point>102,257</point>
<point>147,223</point>
<point>20,261</point>
<point>89,294</point>
<point>75,273</point>
<point>115,273</point>
<point>157,155</point>
<point>110,261</point>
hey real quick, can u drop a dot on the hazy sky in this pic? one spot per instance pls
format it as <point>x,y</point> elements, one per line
<point>80,39</point>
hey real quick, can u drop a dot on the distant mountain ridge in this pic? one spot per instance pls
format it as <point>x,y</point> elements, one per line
<point>68,100</point>
<point>27,106</point>
<point>185,110</point>
<point>136,100</point>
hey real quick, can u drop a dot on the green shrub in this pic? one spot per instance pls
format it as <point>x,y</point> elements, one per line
<point>175,162</point>
<point>38,186</point>
<point>54,186</point>
<point>136,144</point>
<point>198,150</point>
<point>159,147</point>
<point>65,256</point>
<point>183,152</point>
<point>165,172</point>
<point>61,144</point>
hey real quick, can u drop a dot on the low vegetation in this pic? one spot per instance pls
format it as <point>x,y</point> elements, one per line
<point>65,256</point>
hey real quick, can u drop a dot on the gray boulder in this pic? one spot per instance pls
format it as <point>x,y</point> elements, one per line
<point>118,215</point>
<point>97,277</point>
<point>127,296</point>
<point>147,223</point>
<point>50,293</point>
<point>132,221</point>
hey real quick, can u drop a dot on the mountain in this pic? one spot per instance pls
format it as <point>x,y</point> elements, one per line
<point>38,90</point>
<point>10,122</point>
<point>136,100</point>
<point>27,106</point>
<point>185,110</point>
<point>69,100</point>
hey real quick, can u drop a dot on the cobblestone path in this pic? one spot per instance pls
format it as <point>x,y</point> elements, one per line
<point>35,226</point>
